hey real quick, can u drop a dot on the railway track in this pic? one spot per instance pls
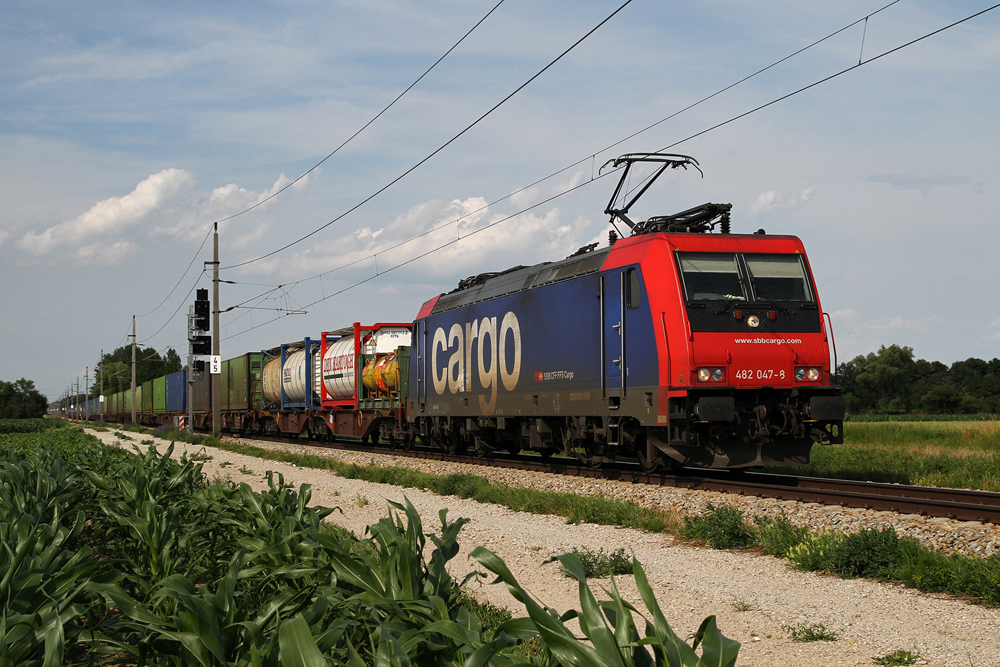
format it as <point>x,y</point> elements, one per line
<point>958,504</point>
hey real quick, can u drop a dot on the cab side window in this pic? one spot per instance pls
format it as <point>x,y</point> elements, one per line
<point>633,291</point>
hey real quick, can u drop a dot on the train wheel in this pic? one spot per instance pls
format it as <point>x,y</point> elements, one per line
<point>644,463</point>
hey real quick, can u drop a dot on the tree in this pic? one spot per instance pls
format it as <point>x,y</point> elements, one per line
<point>117,368</point>
<point>879,381</point>
<point>20,400</point>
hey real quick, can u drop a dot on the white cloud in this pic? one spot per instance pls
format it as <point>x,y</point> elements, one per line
<point>995,326</point>
<point>772,201</point>
<point>899,323</point>
<point>224,201</point>
<point>846,315</point>
<point>112,60</point>
<point>102,254</point>
<point>113,215</point>
<point>466,247</point>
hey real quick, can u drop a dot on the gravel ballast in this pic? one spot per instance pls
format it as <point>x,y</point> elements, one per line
<point>690,583</point>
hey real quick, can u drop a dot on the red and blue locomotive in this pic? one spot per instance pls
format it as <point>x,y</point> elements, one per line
<point>675,345</point>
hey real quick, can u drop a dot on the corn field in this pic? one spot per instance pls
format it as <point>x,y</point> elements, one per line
<point>132,558</point>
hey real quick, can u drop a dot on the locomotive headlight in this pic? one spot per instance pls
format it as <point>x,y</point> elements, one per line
<point>753,321</point>
<point>808,374</point>
<point>711,374</point>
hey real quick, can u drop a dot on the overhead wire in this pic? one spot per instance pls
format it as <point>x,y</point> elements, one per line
<point>363,127</point>
<point>828,78</point>
<point>552,175</point>
<point>328,156</point>
<point>437,150</point>
<point>585,183</point>
<point>428,252</point>
<point>174,314</point>
<point>190,264</point>
<point>602,150</point>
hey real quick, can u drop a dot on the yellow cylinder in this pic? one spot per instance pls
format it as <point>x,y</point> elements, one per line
<point>390,372</point>
<point>369,375</point>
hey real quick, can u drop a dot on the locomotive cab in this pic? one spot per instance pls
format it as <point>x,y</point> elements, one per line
<point>744,373</point>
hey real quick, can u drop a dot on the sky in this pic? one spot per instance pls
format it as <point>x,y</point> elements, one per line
<point>127,129</point>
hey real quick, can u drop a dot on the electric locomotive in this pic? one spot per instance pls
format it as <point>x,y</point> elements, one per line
<point>681,344</point>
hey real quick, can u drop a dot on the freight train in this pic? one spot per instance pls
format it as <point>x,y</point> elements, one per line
<point>680,344</point>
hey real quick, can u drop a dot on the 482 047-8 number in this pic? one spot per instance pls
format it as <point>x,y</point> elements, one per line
<point>759,374</point>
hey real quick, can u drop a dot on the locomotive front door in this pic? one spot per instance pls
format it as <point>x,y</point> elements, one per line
<point>421,335</point>
<point>612,332</point>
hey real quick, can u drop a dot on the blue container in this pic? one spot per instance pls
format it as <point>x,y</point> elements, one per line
<point>177,392</point>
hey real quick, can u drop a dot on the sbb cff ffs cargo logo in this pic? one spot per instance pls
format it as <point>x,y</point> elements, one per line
<point>497,353</point>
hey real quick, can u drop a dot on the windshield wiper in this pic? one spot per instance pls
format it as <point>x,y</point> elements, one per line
<point>730,300</point>
<point>776,304</point>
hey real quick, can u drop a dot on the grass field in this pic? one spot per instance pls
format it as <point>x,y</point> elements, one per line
<point>960,454</point>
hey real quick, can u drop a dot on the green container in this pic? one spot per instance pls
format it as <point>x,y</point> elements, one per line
<point>116,403</point>
<point>160,394</point>
<point>240,382</point>
<point>128,399</point>
<point>403,359</point>
<point>147,398</point>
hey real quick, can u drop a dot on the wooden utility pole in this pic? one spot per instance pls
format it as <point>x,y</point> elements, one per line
<point>133,369</point>
<point>86,389</point>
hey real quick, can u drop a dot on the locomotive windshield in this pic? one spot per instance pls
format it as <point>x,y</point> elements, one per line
<point>744,277</point>
<point>711,276</point>
<point>778,277</point>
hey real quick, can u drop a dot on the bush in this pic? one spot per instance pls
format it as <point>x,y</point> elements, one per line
<point>813,553</point>
<point>721,526</point>
<point>38,425</point>
<point>777,536</point>
<point>872,553</point>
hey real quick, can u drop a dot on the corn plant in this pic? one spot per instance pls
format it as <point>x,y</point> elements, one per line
<point>610,627</point>
<point>50,586</point>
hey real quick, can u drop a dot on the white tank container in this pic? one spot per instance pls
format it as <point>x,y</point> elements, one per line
<point>293,375</point>
<point>271,380</point>
<point>338,363</point>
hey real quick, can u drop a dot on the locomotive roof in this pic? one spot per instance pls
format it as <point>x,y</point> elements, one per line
<point>521,278</point>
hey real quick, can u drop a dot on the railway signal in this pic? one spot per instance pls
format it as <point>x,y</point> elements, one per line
<point>198,325</point>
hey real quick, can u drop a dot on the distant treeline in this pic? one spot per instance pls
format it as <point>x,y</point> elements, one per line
<point>891,381</point>
<point>20,400</point>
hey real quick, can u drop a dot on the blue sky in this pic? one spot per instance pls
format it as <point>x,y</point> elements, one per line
<point>127,128</point>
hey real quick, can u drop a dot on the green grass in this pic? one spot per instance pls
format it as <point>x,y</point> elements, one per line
<point>576,509</point>
<point>30,425</point>
<point>812,632</point>
<point>897,658</point>
<point>602,564</point>
<point>951,454</point>
<point>983,416</point>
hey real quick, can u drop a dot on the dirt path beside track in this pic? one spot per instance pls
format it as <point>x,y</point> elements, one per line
<point>690,583</point>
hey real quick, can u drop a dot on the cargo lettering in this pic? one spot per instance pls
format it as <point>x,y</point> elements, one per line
<point>489,360</point>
